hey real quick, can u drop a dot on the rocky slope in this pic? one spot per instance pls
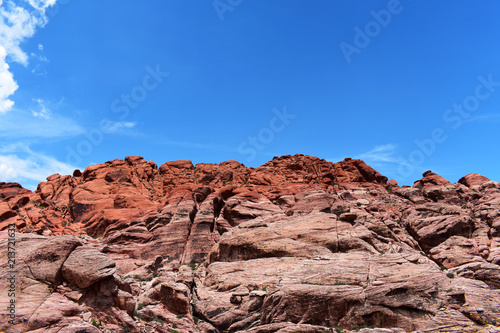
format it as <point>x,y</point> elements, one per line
<point>298,244</point>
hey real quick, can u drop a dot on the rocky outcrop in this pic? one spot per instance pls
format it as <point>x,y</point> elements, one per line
<point>476,181</point>
<point>46,298</point>
<point>298,244</point>
<point>86,266</point>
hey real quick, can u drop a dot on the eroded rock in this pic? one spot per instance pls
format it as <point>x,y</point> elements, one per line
<point>297,244</point>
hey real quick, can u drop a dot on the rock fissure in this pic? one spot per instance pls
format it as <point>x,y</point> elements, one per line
<point>223,247</point>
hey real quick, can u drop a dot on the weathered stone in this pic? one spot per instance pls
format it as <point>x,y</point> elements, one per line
<point>174,296</point>
<point>45,261</point>
<point>297,244</point>
<point>86,266</point>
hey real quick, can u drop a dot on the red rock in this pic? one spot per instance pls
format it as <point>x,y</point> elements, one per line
<point>9,190</point>
<point>473,180</point>
<point>86,266</point>
<point>298,244</point>
<point>315,201</point>
<point>46,260</point>
<point>432,224</point>
<point>176,166</point>
<point>430,179</point>
<point>174,296</point>
<point>455,251</point>
<point>392,183</point>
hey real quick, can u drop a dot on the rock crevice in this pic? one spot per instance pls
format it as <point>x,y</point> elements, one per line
<point>297,244</point>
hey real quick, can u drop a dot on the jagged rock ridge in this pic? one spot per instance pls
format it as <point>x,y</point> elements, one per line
<point>298,244</point>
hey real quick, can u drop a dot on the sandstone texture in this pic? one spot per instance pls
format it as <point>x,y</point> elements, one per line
<point>298,244</point>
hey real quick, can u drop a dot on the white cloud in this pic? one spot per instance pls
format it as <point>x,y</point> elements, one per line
<point>116,126</point>
<point>43,112</point>
<point>7,84</point>
<point>383,153</point>
<point>384,159</point>
<point>17,22</point>
<point>22,125</point>
<point>42,5</point>
<point>29,168</point>
<point>379,154</point>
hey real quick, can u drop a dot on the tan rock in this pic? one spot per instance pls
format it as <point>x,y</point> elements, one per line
<point>174,296</point>
<point>86,266</point>
<point>45,262</point>
<point>297,244</point>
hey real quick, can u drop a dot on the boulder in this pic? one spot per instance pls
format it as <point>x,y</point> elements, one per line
<point>45,262</point>
<point>86,266</point>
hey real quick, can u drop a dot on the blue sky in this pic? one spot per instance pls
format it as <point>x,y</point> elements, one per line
<point>407,86</point>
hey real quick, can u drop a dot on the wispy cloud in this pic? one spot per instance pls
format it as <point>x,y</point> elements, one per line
<point>17,22</point>
<point>22,125</point>
<point>383,153</point>
<point>43,111</point>
<point>385,159</point>
<point>18,163</point>
<point>112,127</point>
<point>37,61</point>
<point>379,154</point>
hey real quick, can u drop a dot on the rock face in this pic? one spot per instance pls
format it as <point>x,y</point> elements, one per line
<point>298,244</point>
<point>86,266</point>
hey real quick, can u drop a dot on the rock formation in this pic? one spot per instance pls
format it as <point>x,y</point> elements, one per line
<point>298,244</point>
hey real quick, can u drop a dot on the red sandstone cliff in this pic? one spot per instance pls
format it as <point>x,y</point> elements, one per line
<point>298,244</point>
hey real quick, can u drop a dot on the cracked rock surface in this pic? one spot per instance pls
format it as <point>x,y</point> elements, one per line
<point>298,244</point>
